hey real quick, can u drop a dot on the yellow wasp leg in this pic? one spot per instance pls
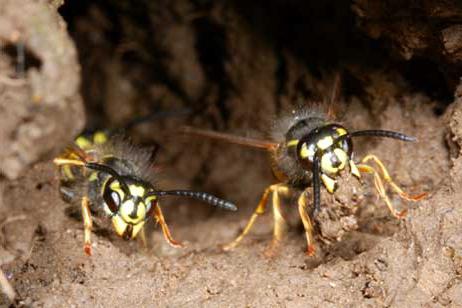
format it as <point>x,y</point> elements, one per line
<point>310,251</point>
<point>279,221</point>
<point>389,180</point>
<point>381,190</point>
<point>159,217</point>
<point>261,207</point>
<point>65,161</point>
<point>87,225</point>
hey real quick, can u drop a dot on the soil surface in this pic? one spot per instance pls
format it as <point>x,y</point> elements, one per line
<point>384,262</point>
<point>230,67</point>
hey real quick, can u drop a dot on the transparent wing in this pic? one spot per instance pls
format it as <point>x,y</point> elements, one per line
<point>250,142</point>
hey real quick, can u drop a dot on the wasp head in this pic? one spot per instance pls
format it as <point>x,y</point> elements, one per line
<point>128,204</point>
<point>324,143</point>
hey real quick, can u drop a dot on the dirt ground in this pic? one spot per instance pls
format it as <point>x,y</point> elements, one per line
<point>220,63</point>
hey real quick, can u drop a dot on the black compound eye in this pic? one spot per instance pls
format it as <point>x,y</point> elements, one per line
<point>112,199</point>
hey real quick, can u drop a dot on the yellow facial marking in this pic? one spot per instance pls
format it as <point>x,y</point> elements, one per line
<point>325,142</point>
<point>150,199</point>
<point>342,156</point>
<point>304,151</point>
<point>120,225</point>
<point>354,169</point>
<point>137,228</point>
<point>326,165</point>
<point>137,190</point>
<point>126,209</point>
<point>341,131</point>
<point>115,186</point>
<point>329,183</point>
<point>292,143</point>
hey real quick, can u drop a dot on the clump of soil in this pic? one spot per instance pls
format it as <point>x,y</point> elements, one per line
<point>234,67</point>
<point>40,103</point>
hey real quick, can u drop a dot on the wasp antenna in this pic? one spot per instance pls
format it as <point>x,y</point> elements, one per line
<point>77,151</point>
<point>385,134</point>
<point>316,186</point>
<point>110,171</point>
<point>211,199</point>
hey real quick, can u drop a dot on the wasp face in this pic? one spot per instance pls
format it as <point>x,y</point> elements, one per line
<point>321,142</point>
<point>128,209</point>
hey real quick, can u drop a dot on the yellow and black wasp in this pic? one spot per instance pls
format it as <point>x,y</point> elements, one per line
<point>309,148</point>
<point>111,176</point>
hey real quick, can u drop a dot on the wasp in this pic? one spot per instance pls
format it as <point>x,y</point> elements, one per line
<point>113,177</point>
<point>308,150</point>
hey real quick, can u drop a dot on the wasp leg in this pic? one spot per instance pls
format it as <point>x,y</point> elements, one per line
<point>261,207</point>
<point>87,225</point>
<point>143,238</point>
<point>381,190</point>
<point>389,180</point>
<point>159,217</point>
<point>67,194</point>
<point>279,221</point>
<point>65,161</point>
<point>310,251</point>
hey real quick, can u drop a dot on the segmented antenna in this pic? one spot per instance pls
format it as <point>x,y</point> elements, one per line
<point>316,168</point>
<point>211,199</point>
<point>383,133</point>
<point>316,186</point>
<point>373,133</point>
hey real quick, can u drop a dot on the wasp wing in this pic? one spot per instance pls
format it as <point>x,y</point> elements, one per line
<point>245,141</point>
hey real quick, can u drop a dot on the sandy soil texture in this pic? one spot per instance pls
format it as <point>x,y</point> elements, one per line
<point>233,67</point>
